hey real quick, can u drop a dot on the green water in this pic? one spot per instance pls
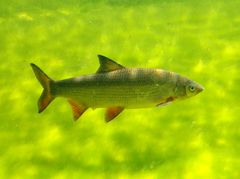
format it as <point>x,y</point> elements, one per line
<point>195,138</point>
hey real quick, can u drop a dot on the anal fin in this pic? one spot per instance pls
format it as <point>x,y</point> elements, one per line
<point>77,109</point>
<point>112,112</point>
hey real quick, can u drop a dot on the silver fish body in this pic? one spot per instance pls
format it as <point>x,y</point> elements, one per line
<point>131,88</point>
<point>116,88</point>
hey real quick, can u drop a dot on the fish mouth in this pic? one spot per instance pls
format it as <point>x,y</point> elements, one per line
<point>200,88</point>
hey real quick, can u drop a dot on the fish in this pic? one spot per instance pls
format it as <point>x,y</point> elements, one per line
<point>116,88</point>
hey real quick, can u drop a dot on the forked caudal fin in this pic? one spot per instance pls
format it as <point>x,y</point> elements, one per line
<point>46,96</point>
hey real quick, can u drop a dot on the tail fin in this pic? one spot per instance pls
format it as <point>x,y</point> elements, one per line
<point>46,97</point>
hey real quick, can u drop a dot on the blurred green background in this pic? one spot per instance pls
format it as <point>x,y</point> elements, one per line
<point>195,138</point>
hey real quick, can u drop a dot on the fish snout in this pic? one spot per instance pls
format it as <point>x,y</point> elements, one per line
<point>200,88</point>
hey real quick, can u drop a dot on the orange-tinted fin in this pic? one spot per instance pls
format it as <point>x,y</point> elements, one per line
<point>46,97</point>
<point>112,112</point>
<point>107,65</point>
<point>77,109</point>
<point>169,100</point>
<point>44,100</point>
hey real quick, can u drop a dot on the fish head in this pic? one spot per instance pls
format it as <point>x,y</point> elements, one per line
<point>187,88</point>
<point>192,88</point>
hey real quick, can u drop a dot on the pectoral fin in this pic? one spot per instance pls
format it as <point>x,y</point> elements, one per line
<point>163,104</point>
<point>77,109</point>
<point>169,100</point>
<point>112,112</point>
<point>107,65</point>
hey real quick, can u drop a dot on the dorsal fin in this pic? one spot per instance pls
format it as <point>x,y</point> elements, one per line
<point>107,65</point>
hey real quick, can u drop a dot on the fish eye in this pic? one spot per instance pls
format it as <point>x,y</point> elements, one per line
<point>191,88</point>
